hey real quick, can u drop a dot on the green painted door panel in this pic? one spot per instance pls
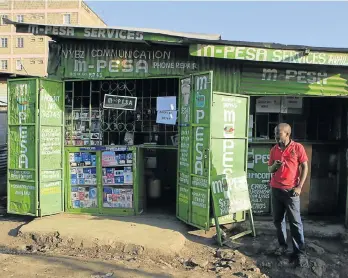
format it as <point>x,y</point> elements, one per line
<point>184,151</point>
<point>51,146</point>
<point>213,130</point>
<point>193,193</point>
<point>35,159</point>
<point>229,116</point>
<point>22,184</point>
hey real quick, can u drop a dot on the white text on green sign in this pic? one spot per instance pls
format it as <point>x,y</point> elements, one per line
<point>269,55</point>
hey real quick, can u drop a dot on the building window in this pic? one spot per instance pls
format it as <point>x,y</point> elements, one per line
<point>40,62</point>
<point>32,39</point>
<point>40,39</point>
<point>20,18</point>
<point>32,62</point>
<point>66,19</point>
<point>19,65</point>
<point>4,42</point>
<point>4,64</point>
<point>2,19</point>
<point>20,42</point>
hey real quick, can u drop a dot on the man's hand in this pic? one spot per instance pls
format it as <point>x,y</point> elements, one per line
<point>297,190</point>
<point>275,166</point>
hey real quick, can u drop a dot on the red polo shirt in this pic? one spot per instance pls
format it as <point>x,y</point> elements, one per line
<point>288,175</point>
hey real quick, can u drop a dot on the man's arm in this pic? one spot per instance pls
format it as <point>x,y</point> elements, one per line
<point>303,173</point>
<point>273,168</point>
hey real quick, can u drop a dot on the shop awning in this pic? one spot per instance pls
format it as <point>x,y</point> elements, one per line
<point>273,53</point>
<point>109,33</point>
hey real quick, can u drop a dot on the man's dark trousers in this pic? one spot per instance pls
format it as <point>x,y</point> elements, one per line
<point>285,204</point>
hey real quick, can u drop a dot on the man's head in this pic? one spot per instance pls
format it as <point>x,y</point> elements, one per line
<point>282,133</point>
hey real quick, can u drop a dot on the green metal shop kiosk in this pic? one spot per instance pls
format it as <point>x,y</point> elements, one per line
<point>47,178</point>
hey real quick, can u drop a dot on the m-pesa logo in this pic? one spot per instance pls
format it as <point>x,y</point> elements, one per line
<point>21,94</point>
<point>229,129</point>
<point>229,123</point>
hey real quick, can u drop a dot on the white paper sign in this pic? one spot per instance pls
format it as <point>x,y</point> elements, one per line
<point>268,105</point>
<point>166,117</point>
<point>166,104</point>
<point>293,102</point>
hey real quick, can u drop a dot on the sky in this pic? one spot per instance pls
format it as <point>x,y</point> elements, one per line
<point>302,23</point>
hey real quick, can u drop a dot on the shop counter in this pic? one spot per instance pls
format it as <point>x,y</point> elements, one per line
<point>101,180</point>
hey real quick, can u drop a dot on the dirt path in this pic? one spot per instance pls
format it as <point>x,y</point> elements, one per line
<point>249,258</point>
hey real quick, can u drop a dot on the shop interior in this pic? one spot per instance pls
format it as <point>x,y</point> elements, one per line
<point>317,121</point>
<point>87,123</point>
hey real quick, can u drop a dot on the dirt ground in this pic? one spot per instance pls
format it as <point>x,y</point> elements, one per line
<point>249,257</point>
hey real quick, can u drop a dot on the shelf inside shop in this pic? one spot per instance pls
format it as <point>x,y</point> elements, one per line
<point>118,184</point>
<point>90,185</point>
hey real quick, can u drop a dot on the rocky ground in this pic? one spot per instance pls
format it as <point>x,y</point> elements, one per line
<point>52,256</point>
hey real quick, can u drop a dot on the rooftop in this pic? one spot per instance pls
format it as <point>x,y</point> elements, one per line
<point>145,35</point>
<point>108,33</point>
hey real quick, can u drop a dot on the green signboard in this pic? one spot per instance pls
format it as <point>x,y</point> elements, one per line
<point>22,148</point>
<point>229,194</point>
<point>270,55</point>
<point>291,80</point>
<point>259,178</point>
<point>96,33</point>
<point>35,146</point>
<point>97,60</point>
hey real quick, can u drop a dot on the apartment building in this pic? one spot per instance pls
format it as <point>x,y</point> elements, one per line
<point>26,54</point>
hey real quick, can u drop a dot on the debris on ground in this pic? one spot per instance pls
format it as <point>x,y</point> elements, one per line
<point>247,257</point>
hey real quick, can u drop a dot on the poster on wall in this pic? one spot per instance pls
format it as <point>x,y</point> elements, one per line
<point>258,179</point>
<point>268,104</point>
<point>166,117</point>
<point>166,103</point>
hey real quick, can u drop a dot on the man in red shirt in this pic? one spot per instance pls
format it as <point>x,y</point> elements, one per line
<point>288,164</point>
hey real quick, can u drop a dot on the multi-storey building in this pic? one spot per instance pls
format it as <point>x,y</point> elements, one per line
<point>25,53</point>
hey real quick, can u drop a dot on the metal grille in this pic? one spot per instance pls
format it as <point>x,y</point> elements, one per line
<point>85,99</point>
